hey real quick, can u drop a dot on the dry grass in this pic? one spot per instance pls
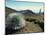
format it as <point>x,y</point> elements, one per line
<point>31,26</point>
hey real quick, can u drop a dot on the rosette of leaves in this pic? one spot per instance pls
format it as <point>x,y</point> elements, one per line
<point>15,21</point>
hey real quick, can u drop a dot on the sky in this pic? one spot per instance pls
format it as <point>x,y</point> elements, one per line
<point>17,5</point>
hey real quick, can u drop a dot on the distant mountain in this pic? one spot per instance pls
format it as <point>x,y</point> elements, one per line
<point>10,10</point>
<point>26,12</point>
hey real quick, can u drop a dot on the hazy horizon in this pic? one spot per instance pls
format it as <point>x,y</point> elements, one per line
<point>34,6</point>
